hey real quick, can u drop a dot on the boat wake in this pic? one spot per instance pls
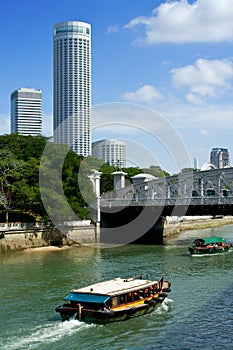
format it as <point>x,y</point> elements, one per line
<point>44,334</point>
<point>164,307</point>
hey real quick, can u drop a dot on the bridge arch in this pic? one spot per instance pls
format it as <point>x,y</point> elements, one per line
<point>208,166</point>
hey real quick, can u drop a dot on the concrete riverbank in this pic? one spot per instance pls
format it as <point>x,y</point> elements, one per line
<point>174,227</point>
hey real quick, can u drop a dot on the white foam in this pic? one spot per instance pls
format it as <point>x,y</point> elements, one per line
<point>164,307</point>
<point>46,334</point>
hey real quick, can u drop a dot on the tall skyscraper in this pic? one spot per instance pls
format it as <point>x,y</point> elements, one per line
<point>72,86</point>
<point>26,111</point>
<point>220,157</point>
<point>110,151</point>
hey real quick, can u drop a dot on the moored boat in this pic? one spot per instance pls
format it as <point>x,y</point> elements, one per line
<point>114,300</point>
<point>210,245</point>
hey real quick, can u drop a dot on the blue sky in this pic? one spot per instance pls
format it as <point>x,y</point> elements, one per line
<point>172,57</point>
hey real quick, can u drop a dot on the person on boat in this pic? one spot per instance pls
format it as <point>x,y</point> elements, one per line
<point>129,297</point>
<point>210,246</point>
<point>151,290</point>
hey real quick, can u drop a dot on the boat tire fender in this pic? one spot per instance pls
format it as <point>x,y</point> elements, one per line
<point>163,295</point>
<point>167,290</point>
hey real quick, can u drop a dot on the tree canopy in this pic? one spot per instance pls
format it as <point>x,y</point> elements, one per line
<point>20,165</point>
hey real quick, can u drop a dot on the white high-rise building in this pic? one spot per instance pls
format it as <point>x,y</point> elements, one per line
<point>26,111</point>
<point>110,151</point>
<point>72,86</point>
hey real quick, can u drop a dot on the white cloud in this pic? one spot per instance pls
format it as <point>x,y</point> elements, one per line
<point>214,72</point>
<point>190,97</point>
<point>204,78</point>
<point>146,94</point>
<point>113,29</point>
<point>203,90</point>
<point>182,22</point>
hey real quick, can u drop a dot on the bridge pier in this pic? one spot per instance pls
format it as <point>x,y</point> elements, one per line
<point>154,236</point>
<point>132,225</point>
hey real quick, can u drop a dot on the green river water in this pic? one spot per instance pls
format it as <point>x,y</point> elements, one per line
<point>197,315</point>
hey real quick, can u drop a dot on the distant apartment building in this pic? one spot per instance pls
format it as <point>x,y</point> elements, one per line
<point>220,157</point>
<point>26,111</point>
<point>110,151</point>
<point>72,86</point>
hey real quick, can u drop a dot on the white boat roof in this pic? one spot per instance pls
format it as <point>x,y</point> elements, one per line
<point>116,286</point>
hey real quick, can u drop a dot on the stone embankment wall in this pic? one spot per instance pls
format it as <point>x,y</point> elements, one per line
<point>43,237</point>
<point>82,235</point>
<point>16,240</point>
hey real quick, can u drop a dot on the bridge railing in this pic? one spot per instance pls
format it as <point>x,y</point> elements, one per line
<point>123,202</point>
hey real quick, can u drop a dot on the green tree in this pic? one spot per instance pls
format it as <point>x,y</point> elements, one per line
<point>70,176</point>
<point>27,196</point>
<point>156,171</point>
<point>9,171</point>
<point>24,147</point>
<point>132,171</point>
<point>106,178</point>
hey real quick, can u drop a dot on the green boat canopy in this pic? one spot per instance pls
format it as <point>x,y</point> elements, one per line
<point>209,240</point>
<point>214,239</point>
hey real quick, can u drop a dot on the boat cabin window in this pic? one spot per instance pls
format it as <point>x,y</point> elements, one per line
<point>147,292</point>
<point>123,299</point>
<point>134,296</point>
<point>141,294</point>
<point>151,290</point>
<point>115,301</point>
<point>129,298</point>
<point>144,293</point>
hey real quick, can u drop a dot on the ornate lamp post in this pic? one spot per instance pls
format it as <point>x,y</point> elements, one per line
<point>95,179</point>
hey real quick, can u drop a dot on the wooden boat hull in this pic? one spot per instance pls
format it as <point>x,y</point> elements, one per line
<point>207,251</point>
<point>112,315</point>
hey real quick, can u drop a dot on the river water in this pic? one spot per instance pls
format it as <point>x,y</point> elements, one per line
<point>197,315</point>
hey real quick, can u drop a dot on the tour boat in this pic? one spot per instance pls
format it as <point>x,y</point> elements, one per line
<point>210,245</point>
<point>114,300</point>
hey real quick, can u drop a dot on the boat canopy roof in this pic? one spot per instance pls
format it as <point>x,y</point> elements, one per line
<point>209,240</point>
<point>116,286</point>
<point>87,298</point>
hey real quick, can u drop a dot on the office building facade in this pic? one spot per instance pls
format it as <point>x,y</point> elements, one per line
<point>72,86</point>
<point>26,111</point>
<point>220,157</point>
<point>110,151</point>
